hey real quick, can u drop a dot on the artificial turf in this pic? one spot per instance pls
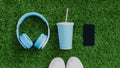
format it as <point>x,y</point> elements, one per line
<point>104,14</point>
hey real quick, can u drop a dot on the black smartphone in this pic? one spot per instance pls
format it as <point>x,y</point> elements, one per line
<point>88,34</point>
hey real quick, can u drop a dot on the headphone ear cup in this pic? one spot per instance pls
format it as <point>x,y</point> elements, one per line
<point>26,41</point>
<point>40,41</point>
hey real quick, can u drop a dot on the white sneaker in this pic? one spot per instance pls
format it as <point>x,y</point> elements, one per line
<point>57,63</point>
<point>74,62</point>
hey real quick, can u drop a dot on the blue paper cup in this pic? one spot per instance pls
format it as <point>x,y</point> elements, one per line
<point>65,33</point>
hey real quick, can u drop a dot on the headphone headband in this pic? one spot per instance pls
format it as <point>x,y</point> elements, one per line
<point>28,15</point>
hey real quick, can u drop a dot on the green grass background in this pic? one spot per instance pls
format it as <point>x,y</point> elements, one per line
<point>104,14</point>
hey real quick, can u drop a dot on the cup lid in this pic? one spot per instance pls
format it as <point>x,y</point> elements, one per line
<point>65,23</point>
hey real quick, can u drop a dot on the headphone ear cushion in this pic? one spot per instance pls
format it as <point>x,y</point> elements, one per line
<point>40,41</point>
<point>26,41</point>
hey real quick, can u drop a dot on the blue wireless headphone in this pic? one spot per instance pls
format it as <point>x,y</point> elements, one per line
<point>25,41</point>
